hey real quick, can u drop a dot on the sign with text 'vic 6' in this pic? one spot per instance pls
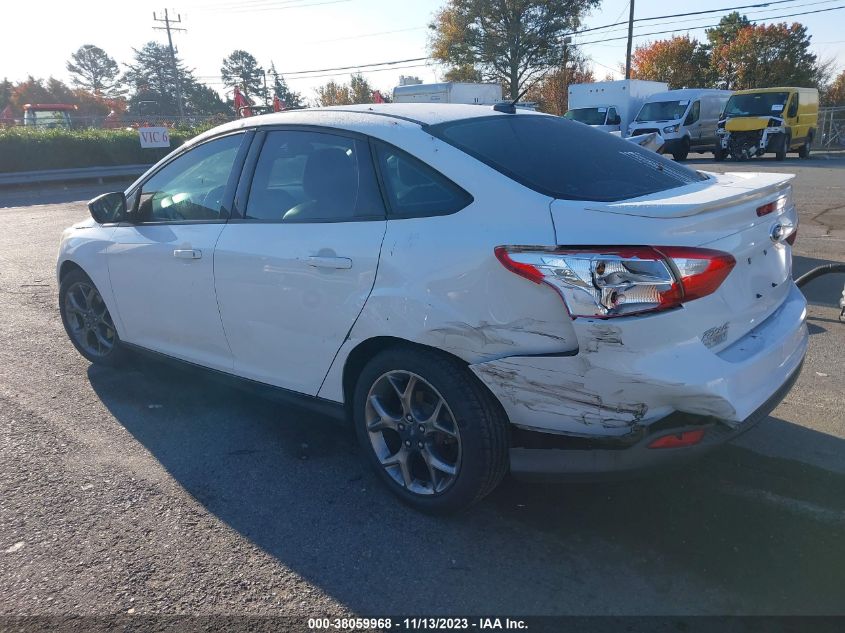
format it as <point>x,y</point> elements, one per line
<point>154,137</point>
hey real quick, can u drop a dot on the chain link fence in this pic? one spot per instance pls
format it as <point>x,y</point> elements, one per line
<point>830,132</point>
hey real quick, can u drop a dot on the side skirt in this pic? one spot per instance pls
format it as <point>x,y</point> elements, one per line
<point>320,406</point>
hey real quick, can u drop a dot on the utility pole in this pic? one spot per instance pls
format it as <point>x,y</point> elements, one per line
<point>167,27</point>
<point>630,41</point>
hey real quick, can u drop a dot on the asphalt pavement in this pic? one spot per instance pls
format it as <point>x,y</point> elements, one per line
<point>154,490</point>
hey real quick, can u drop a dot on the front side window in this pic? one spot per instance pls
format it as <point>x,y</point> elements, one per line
<point>414,189</point>
<point>562,159</point>
<point>191,187</point>
<point>793,105</point>
<point>613,117</point>
<point>694,113</point>
<point>304,176</point>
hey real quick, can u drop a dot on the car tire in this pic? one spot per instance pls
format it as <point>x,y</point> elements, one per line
<point>718,154</point>
<point>87,320</point>
<point>783,148</point>
<point>681,154</point>
<point>432,432</point>
<point>804,150</point>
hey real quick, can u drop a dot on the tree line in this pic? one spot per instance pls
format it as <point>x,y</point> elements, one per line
<point>739,55</point>
<point>151,84</point>
<point>523,45</point>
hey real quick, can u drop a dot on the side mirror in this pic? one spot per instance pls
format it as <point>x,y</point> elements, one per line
<point>109,207</point>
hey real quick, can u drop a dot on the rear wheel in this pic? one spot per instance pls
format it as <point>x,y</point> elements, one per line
<point>804,150</point>
<point>431,431</point>
<point>682,153</point>
<point>87,320</point>
<point>783,148</point>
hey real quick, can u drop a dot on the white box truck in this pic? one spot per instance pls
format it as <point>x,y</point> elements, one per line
<point>610,105</point>
<point>449,92</point>
<point>686,119</point>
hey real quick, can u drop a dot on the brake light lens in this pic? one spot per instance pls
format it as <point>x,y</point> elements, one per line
<point>608,282</point>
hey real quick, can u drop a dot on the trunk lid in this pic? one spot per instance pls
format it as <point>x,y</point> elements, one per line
<point>721,214</point>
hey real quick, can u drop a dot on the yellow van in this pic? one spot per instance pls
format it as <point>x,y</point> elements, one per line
<point>768,120</point>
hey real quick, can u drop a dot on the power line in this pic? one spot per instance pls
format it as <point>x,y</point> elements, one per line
<point>357,67</point>
<point>291,79</point>
<point>698,19</point>
<point>708,26</point>
<point>681,15</point>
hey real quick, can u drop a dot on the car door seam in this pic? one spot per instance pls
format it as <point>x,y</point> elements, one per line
<point>358,316</point>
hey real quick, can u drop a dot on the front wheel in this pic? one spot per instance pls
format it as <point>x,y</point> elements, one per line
<point>431,431</point>
<point>718,154</point>
<point>87,320</point>
<point>783,148</point>
<point>682,153</point>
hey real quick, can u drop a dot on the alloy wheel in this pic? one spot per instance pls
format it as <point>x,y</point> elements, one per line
<point>88,319</point>
<point>413,432</point>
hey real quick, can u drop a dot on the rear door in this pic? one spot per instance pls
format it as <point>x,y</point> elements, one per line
<point>294,269</point>
<point>162,265</point>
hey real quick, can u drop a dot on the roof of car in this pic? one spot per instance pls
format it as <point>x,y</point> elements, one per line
<point>364,116</point>
<point>419,113</point>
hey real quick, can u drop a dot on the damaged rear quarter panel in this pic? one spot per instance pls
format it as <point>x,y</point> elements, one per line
<point>439,283</point>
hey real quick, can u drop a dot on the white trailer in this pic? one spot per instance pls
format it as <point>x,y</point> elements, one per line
<point>610,105</point>
<point>449,92</point>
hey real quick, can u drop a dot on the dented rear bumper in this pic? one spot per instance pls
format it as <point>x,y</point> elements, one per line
<point>543,457</point>
<point>623,388</point>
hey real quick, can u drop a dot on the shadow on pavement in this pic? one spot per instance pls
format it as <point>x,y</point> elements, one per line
<point>734,533</point>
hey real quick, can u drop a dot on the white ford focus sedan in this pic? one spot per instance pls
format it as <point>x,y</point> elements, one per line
<point>479,290</point>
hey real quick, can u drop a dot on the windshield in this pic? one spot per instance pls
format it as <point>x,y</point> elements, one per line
<point>590,116</point>
<point>662,111</point>
<point>757,104</point>
<point>562,159</point>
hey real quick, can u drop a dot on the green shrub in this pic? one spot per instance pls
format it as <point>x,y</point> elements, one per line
<point>30,149</point>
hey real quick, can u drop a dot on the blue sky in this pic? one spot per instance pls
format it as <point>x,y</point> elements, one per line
<point>332,33</point>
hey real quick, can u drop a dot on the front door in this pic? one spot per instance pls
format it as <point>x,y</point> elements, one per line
<point>294,271</point>
<point>162,265</point>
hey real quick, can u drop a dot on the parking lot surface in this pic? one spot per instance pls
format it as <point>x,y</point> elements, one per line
<point>155,490</point>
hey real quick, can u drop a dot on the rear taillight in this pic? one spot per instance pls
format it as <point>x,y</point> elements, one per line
<point>608,282</point>
<point>771,207</point>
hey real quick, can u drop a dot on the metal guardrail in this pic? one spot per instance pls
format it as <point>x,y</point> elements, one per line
<point>67,175</point>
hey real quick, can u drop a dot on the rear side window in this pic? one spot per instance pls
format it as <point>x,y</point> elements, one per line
<point>564,159</point>
<point>304,176</point>
<point>414,189</point>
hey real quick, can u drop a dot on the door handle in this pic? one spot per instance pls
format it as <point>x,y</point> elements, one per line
<point>329,262</point>
<point>187,253</point>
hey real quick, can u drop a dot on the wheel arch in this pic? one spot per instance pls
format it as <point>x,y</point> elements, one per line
<point>367,349</point>
<point>67,266</point>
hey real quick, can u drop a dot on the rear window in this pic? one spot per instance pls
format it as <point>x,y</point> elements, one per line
<point>564,159</point>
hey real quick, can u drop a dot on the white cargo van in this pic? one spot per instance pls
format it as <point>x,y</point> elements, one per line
<point>610,105</point>
<point>687,119</point>
<point>449,92</point>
